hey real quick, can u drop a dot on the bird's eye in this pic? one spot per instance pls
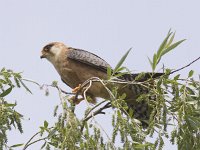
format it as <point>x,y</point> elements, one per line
<point>48,47</point>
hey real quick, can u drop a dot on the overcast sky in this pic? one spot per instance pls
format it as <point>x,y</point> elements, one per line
<point>106,28</point>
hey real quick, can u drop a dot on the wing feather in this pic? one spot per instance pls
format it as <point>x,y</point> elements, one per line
<point>88,59</point>
<point>95,61</point>
<point>140,77</point>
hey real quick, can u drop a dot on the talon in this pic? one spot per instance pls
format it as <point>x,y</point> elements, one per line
<point>76,89</point>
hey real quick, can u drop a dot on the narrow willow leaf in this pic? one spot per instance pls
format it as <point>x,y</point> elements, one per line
<point>25,86</point>
<point>121,61</point>
<point>17,145</point>
<point>123,96</point>
<point>172,47</point>
<point>190,73</point>
<point>151,63</point>
<point>10,105</point>
<point>6,92</point>
<point>192,102</point>
<point>46,124</point>
<point>3,81</point>
<point>154,62</point>
<point>130,112</point>
<point>163,45</point>
<point>177,77</point>
<point>17,82</point>
<point>55,111</point>
<point>143,146</point>
<point>109,72</point>
<point>122,68</point>
<point>120,74</point>
<point>190,91</point>
<point>140,76</point>
<point>171,40</point>
<point>43,145</point>
<point>194,124</point>
<point>3,69</point>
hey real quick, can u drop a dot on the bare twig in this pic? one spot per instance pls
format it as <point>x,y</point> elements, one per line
<point>47,85</point>
<point>185,66</point>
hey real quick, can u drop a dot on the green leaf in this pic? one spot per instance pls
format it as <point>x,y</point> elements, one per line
<point>46,124</point>
<point>121,61</point>
<point>109,72</point>
<point>123,96</point>
<point>151,63</point>
<point>192,102</point>
<point>25,86</point>
<point>171,40</point>
<point>17,145</point>
<point>177,77</point>
<point>122,68</point>
<point>43,145</point>
<point>140,76</point>
<point>130,112</point>
<point>53,144</point>
<point>190,73</point>
<point>120,74</point>
<point>17,82</point>
<point>154,62</point>
<point>163,45</point>
<point>3,69</point>
<point>3,81</point>
<point>55,111</point>
<point>6,92</point>
<point>10,105</point>
<point>172,47</point>
<point>55,83</point>
<point>190,91</point>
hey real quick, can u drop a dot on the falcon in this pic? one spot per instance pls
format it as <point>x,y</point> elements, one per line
<point>75,66</point>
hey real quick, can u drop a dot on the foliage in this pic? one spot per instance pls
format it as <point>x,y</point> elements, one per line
<point>174,104</point>
<point>9,116</point>
<point>166,46</point>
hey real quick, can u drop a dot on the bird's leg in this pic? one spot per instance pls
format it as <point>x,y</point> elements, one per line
<point>76,89</point>
<point>75,99</point>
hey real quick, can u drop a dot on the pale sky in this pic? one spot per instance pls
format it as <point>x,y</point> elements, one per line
<point>106,28</point>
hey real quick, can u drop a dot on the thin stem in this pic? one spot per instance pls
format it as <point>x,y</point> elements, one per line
<point>26,145</point>
<point>185,66</point>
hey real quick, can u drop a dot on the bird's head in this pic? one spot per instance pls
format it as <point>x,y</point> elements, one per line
<point>52,50</point>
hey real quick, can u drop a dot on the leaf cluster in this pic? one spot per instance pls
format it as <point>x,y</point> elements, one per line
<point>9,117</point>
<point>166,46</point>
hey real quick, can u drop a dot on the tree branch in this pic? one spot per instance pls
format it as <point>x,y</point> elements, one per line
<point>47,85</point>
<point>184,66</point>
<point>99,111</point>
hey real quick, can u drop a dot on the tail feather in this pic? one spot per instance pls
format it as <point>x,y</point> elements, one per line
<point>141,110</point>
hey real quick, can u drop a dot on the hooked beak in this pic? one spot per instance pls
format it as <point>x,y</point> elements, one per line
<point>42,56</point>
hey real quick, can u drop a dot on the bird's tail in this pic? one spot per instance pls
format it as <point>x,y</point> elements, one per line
<point>141,111</point>
<point>141,108</point>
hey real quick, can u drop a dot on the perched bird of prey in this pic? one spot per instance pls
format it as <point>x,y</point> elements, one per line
<point>75,66</point>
